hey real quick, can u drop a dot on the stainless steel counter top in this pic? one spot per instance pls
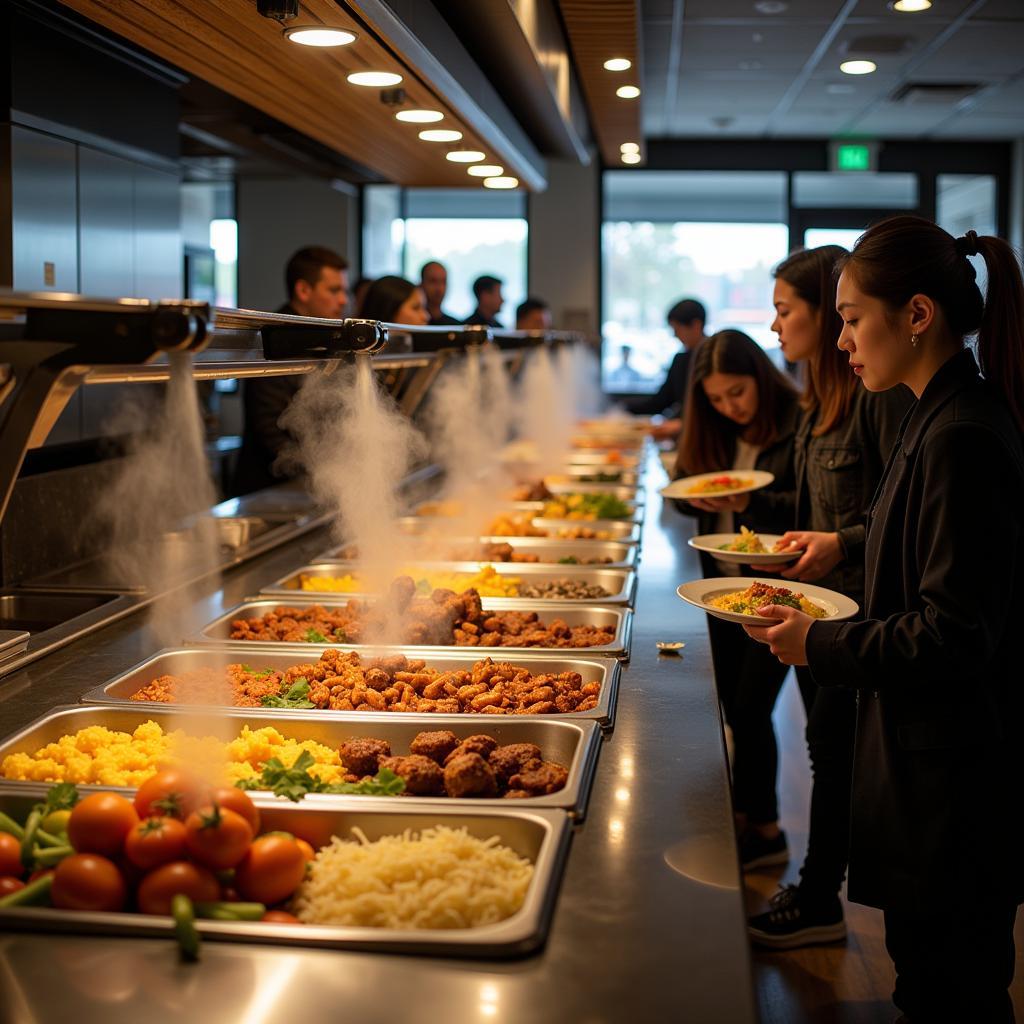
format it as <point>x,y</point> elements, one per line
<point>649,924</point>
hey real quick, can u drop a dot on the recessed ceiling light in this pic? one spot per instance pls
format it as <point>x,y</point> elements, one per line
<point>419,116</point>
<point>485,170</point>
<point>319,35</point>
<point>910,6</point>
<point>858,67</point>
<point>465,156</point>
<point>630,147</point>
<point>631,158</point>
<point>770,6</point>
<point>618,64</point>
<point>501,182</point>
<point>378,79</point>
<point>627,92</point>
<point>440,135</point>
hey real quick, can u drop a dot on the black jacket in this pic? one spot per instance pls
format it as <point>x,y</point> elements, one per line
<point>771,508</point>
<point>837,474</point>
<point>672,393</point>
<point>264,399</point>
<point>444,320</point>
<point>478,319</point>
<point>936,663</point>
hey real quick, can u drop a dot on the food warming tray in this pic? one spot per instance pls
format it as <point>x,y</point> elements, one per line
<point>620,531</point>
<point>636,512</point>
<point>219,631</point>
<point>574,744</point>
<point>619,584</point>
<point>632,495</point>
<point>547,549</point>
<point>542,836</point>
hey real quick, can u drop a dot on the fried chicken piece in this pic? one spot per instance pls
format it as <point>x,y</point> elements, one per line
<point>510,759</point>
<point>363,756</point>
<point>479,744</point>
<point>538,778</point>
<point>423,777</point>
<point>401,592</point>
<point>435,745</point>
<point>469,775</point>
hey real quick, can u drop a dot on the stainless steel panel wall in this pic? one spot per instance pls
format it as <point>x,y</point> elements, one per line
<point>105,219</point>
<point>158,251</point>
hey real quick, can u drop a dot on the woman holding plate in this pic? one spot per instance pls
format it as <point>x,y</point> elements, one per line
<point>840,451</point>
<point>742,414</point>
<point>938,770</point>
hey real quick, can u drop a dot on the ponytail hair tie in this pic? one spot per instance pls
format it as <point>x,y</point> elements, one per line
<point>967,244</point>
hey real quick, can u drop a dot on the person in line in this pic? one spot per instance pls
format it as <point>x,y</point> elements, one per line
<point>394,300</point>
<point>741,414</point>
<point>316,279</point>
<point>489,301</point>
<point>434,283</point>
<point>842,445</point>
<point>533,314</point>
<point>936,831</point>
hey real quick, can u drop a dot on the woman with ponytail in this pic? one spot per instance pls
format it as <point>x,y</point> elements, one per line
<point>938,764</point>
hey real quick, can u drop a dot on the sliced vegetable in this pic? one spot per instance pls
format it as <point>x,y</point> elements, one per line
<point>8,826</point>
<point>51,855</point>
<point>185,926</point>
<point>36,892</point>
<point>28,840</point>
<point>86,881</point>
<point>231,911</point>
<point>100,823</point>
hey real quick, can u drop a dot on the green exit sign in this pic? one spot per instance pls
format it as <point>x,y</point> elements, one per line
<point>853,156</point>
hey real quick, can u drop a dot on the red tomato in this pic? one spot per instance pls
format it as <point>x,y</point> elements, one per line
<point>100,822</point>
<point>155,841</point>
<point>307,850</point>
<point>39,872</point>
<point>217,837</point>
<point>172,792</point>
<point>85,881</point>
<point>159,887</point>
<point>238,801</point>
<point>272,869</point>
<point>10,855</point>
<point>280,917</point>
<point>9,884</point>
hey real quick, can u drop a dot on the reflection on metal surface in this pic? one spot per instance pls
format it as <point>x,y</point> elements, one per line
<point>616,829</point>
<point>700,859</point>
<point>622,794</point>
<point>488,1000</point>
<point>626,766</point>
<point>271,987</point>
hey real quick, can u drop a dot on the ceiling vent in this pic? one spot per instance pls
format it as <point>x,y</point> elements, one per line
<point>934,92</point>
<point>878,45</point>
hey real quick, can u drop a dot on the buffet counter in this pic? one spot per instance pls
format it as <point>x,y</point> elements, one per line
<point>649,921</point>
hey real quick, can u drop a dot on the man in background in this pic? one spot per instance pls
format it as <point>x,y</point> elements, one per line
<point>434,282</point>
<point>489,301</point>
<point>317,283</point>
<point>533,315</point>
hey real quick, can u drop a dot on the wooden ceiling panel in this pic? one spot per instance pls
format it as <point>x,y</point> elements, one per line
<point>229,45</point>
<point>597,32</point>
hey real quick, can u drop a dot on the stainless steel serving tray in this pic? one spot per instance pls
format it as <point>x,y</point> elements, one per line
<point>542,836</point>
<point>548,550</point>
<point>219,632</point>
<point>633,495</point>
<point>619,531</point>
<point>574,744</point>
<point>603,457</point>
<point>636,512</point>
<point>627,477</point>
<point>619,584</point>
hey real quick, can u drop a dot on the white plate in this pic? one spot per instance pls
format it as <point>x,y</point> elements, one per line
<point>681,488</point>
<point>711,544</point>
<point>699,592</point>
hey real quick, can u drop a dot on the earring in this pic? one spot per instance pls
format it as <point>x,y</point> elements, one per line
<point>914,340</point>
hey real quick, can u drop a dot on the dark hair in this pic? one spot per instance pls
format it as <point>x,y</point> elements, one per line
<point>830,387</point>
<point>431,263</point>
<point>685,311</point>
<point>530,305</point>
<point>906,256</point>
<point>306,264</point>
<point>485,283</point>
<point>385,297</point>
<point>708,439</point>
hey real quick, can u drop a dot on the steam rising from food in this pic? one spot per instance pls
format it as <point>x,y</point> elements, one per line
<point>546,413</point>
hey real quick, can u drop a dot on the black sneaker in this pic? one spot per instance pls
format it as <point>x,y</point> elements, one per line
<point>796,921</point>
<point>758,852</point>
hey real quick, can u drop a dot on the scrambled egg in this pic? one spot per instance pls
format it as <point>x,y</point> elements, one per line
<point>488,582</point>
<point>100,756</point>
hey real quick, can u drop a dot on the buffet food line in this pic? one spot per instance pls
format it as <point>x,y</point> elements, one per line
<point>535,739</point>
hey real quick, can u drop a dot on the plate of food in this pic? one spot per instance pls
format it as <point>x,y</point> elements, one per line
<point>737,599</point>
<point>745,547</point>
<point>718,485</point>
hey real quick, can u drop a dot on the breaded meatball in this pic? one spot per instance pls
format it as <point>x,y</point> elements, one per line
<point>435,745</point>
<point>480,744</point>
<point>422,776</point>
<point>469,775</point>
<point>538,778</point>
<point>510,759</point>
<point>362,757</point>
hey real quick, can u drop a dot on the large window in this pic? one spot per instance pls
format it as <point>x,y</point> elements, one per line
<point>672,235</point>
<point>472,232</point>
